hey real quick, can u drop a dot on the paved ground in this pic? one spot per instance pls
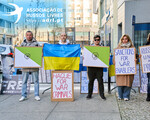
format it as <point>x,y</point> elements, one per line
<point>80,109</point>
<point>135,109</point>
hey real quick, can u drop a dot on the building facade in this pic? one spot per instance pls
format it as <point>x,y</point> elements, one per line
<point>80,17</point>
<point>134,20</point>
<point>106,12</point>
<point>7,27</point>
<point>119,17</point>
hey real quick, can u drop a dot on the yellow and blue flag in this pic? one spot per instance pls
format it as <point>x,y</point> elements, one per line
<point>61,57</point>
<point>111,69</point>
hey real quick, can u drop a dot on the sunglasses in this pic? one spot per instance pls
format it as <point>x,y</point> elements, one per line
<point>97,40</point>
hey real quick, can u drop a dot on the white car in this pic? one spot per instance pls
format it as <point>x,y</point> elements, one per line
<point>6,50</point>
<point>6,58</point>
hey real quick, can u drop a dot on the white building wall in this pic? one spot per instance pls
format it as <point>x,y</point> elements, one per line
<point>139,8</point>
<point>128,8</point>
<point>115,25</point>
<point>121,20</point>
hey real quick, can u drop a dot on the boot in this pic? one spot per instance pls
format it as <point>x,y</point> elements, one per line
<point>103,97</point>
<point>89,96</point>
<point>148,97</point>
<point>148,92</point>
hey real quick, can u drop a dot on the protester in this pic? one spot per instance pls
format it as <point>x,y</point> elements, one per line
<point>124,82</point>
<point>63,39</point>
<point>95,73</point>
<point>30,41</point>
<point>148,74</point>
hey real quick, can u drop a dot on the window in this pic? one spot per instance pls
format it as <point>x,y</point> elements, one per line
<point>8,9</point>
<point>2,49</point>
<point>141,32</point>
<point>8,24</point>
<point>1,7</point>
<point>2,23</point>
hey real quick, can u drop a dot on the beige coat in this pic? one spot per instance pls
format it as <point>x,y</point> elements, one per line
<point>123,80</point>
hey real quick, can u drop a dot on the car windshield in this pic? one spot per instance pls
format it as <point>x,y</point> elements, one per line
<point>2,49</point>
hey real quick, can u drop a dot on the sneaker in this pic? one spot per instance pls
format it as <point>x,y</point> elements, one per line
<point>89,97</point>
<point>22,99</point>
<point>37,98</point>
<point>119,98</point>
<point>126,99</point>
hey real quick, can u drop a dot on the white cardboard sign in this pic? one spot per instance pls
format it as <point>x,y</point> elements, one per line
<point>125,61</point>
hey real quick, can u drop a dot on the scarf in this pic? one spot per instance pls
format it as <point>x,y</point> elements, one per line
<point>126,45</point>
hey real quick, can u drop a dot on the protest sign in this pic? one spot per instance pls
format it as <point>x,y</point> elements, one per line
<point>137,80</point>
<point>145,58</point>
<point>96,56</point>
<point>28,57</point>
<point>62,86</point>
<point>84,84</point>
<point>144,82</point>
<point>13,85</point>
<point>125,61</point>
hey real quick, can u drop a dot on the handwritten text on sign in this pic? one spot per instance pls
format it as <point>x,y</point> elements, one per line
<point>84,83</point>
<point>62,85</point>
<point>125,61</point>
<point>145,52</point>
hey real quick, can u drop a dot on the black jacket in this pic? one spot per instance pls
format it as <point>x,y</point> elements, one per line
<point>148,43</point>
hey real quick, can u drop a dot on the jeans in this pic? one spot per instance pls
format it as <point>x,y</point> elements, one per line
<point>124,92</point>
<point>35,77</point>
<point>148,84</point>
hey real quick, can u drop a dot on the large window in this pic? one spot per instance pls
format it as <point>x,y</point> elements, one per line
<point>141,32</point>
<point>2,23</point>
<point>1,7</point>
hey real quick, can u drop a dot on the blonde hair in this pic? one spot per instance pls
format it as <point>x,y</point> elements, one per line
<point>129,40</point>
<point>148,37</point>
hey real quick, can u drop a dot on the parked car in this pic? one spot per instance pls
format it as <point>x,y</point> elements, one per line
<point>6,50</point>
<point>6,58</point>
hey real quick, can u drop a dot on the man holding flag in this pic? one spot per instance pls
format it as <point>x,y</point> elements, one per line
<point>61,56</point>
<point>63,39</point>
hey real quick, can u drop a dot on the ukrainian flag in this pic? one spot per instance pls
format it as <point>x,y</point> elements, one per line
<point>111,69</point>
<point>61,57</point>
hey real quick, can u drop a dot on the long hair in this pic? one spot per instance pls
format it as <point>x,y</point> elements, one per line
<point>129,40</point>
<point>148,37</point>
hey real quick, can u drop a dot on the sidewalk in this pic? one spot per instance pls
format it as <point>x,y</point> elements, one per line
<point>79,109</point>
<point>135,109</point>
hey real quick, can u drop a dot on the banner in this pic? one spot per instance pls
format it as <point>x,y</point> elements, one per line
<point>28,57</point>
<point>145,58</point>
<point>13,85</point>
<point>125,61</point>
<point>62,87</point>
<point>137,80</point>
<point>61,57</point>
<point>96,56</point>
<point>84,84</point>
<point>144,82</point>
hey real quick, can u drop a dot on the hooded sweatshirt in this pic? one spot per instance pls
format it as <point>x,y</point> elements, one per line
<point>32,43</point>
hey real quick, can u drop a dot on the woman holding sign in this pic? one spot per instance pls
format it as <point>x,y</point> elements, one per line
<point>124,82</point>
